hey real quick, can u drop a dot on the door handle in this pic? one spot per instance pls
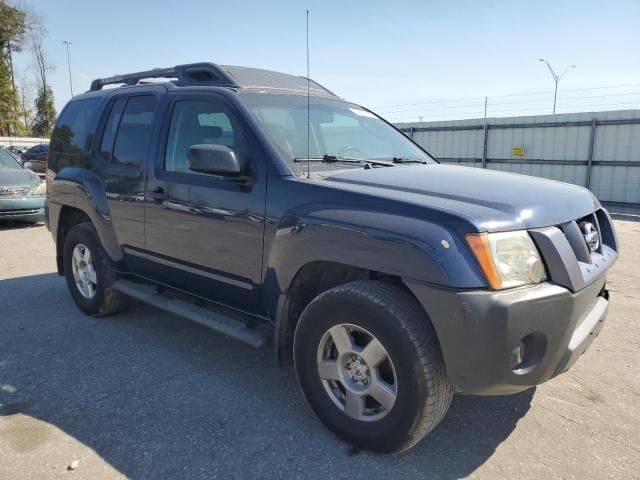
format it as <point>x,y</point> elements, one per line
<point>158,195</point>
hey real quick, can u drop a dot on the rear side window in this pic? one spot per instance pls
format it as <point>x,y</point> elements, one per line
<point>133,131</point>
<point>111,128</point>
<point>70,134</point>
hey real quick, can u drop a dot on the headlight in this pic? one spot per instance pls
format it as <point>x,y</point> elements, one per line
<point>508,259</point>
<point>39,190</point>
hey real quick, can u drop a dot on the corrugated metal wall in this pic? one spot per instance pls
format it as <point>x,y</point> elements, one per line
<point>21,141</point>
<point>600,150</point>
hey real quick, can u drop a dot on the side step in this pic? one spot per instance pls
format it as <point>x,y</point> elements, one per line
<point>215,320</point>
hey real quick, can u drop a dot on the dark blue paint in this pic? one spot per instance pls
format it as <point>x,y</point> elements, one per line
<point>242,244</point>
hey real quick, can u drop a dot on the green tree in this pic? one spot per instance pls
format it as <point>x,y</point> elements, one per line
<point>45,115</point>
<point>12,32</point>
<point>12,27</point>
<point>9,104</point>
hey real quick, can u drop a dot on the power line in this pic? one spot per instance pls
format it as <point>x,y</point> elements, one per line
<point>533,110</point>
<point>519,102</point>
<point>504,96</point>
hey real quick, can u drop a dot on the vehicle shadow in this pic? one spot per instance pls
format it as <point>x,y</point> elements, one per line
<point>14,225</point>
<point>157,397</point>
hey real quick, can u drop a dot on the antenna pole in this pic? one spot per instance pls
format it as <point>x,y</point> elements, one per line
<point>308,106</point>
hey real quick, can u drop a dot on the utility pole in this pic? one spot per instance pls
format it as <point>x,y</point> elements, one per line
<point>556,79</point>
<point>68,44</point>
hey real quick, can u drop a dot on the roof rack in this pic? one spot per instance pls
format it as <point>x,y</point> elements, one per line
<point>190,73</point>
<point>210,74</point>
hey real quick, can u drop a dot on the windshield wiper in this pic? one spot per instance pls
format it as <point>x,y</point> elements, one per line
<point>339,159</point>
<point>407,160</point>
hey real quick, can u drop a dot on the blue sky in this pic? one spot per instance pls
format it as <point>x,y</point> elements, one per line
<point>443,56</point>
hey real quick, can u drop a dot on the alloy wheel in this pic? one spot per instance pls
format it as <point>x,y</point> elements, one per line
<point>357,372</point>
<point>84,272</point>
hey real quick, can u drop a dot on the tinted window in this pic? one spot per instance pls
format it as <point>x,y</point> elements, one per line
<point>196,122</point>
<point>134,133</point>
<point>111,128</point>
<point>70,133</point>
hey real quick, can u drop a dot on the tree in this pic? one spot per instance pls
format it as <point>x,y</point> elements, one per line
<point>9,105</point>
<point>12,32</point>
<point>25,91</point>
<point>45,115</point>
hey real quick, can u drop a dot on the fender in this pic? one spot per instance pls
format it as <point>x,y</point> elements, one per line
<point>383,235</point>
<point>360,230</point>
<point>82,189</point>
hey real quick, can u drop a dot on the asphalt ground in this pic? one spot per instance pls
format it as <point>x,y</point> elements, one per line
<point>144,394</point>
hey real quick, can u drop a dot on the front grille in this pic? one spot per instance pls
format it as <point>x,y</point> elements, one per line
<point>589,235</point>
<point>14,192</point>
<point>17,213</point>
<point>578,252</point>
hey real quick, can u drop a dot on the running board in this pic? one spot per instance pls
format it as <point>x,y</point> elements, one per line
<point>215,320</point>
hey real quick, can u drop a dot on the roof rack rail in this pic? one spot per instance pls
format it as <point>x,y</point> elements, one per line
<point>188,74</point>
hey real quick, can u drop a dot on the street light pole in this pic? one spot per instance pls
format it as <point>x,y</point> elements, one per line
<point>68,44</point>
<point>556,79</point>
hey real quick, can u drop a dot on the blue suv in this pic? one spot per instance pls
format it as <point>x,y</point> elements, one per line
<point>267,208</point>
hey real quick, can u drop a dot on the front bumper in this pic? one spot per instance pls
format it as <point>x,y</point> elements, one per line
<point>479,331</point>
<point>27,209</point>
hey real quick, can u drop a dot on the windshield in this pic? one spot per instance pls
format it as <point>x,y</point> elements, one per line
<point>7,160</point>
<point>336,128</point>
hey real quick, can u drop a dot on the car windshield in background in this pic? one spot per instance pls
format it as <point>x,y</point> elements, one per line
<point>7,160</point>
<point>336,129</point>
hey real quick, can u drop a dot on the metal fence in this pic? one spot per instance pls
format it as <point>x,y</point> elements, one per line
<point>21,141</point>
<point>600,150</point>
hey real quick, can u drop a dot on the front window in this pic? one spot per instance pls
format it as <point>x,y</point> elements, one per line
<point>327,127</point>
<point>198,122</point>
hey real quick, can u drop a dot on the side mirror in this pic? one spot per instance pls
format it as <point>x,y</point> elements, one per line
<point>28,165</point>
<point>213,159</point>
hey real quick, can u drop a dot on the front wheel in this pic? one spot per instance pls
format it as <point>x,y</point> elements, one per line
<point>369,364</point>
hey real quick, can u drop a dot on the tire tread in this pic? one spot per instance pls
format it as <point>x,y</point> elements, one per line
<point>113,301</point>
<point>411,317</point>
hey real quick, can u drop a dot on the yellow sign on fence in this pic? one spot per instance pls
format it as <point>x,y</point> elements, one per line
<point>518,151</point>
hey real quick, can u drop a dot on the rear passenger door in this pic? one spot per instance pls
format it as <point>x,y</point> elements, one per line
<point>204,232</point>
<point>121,154</point>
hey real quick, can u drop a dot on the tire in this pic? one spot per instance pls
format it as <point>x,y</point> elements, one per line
<point>372,310</point>
<point>104,301</point>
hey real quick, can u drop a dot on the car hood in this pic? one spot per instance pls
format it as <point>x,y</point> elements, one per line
<point>18,177</point>
<point>490,200</point>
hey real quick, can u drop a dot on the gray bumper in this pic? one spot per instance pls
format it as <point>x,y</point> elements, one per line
<point>24,215</point>
<point>479,330</point>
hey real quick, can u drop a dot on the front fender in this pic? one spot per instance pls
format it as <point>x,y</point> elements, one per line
<point>383,241</point>
<point>83,190</point>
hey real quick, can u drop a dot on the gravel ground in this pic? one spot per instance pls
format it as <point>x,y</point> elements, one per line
<point>144,394</point>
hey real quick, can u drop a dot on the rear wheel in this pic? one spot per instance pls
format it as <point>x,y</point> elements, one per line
<point>89,273</point>
<point>369,364</point>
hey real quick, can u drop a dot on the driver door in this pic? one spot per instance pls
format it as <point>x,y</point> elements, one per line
<point>204,232</point>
